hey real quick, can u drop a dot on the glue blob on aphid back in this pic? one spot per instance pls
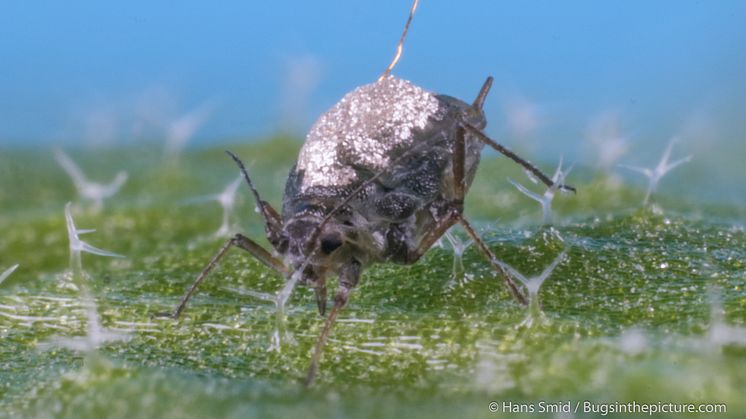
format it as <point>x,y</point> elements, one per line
<point>374,130</point>
<point>380,178</point>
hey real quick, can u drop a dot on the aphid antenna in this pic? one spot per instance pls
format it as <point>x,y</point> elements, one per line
<point>400,45</point>
<point>558,178</point>
<point>270,216</point>
<point>291,277</point>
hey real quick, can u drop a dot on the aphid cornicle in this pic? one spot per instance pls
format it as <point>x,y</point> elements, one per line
<point>380,178</point>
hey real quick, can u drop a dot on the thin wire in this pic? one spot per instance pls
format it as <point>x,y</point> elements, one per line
<point>400,46</point>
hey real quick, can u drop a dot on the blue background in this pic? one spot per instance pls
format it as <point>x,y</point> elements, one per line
<point>95,72</point>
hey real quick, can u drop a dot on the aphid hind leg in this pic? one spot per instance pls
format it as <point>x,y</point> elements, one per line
<point>456,207</point>
<point>452,216</point>
<point>242,242</point>
<point>493,261</point>
<point>455,216</point>
<point>458,178</point>
<point>348,279</point>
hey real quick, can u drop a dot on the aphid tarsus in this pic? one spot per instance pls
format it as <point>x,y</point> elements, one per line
<point>380,178</point>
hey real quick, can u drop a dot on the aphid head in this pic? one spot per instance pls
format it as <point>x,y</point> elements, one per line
<point>312,249</point>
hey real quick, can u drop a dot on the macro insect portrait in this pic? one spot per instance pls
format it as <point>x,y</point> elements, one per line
<point>328,209</point>
<point>381,177</point>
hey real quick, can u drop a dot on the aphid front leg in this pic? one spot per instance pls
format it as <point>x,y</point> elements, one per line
<point>273,227</point>
<point>242,242</point>
<point>348,279</point>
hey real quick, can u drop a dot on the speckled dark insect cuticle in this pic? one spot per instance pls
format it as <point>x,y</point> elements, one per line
<point>380,178</point>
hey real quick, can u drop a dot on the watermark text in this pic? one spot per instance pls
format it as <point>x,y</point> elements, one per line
<point>605,408</point>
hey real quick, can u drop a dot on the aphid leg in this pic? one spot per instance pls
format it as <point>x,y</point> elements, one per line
<point>348,278</point>
<point>455,214</point>
<point>400,45</point>
<point>434,234</point>
<point>320,292</point>
<point>516,158</point>
<point>459,160</point>
<point>454,209</point>
<point>242,242</point>
<point>272,220</point>
<point>493,261</point>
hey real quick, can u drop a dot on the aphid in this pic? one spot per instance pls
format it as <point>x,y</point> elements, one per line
<point>380,178</point>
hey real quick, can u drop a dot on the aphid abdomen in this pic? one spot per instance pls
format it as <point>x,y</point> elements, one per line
<point>412,184</point>
<point>397,206</point>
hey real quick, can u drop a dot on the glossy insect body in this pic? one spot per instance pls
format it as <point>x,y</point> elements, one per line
<point>397,131</point>
<point>380,178</point>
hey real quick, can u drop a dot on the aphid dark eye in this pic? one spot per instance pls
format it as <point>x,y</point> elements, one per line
<point>330,243</point>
